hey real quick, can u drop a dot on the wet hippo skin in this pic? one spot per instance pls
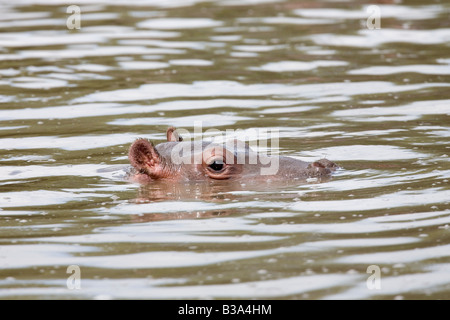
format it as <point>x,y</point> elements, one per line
<point>199,160</point>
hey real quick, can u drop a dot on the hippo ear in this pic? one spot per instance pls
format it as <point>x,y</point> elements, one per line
<point>173,136</point>
<point>145,158</point>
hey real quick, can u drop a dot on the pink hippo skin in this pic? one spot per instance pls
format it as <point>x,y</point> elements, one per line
<point>207,161</point>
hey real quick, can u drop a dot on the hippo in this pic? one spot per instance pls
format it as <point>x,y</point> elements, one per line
<point>178,160</point>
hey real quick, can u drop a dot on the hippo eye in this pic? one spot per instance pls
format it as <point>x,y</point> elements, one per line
<point>217,165</point>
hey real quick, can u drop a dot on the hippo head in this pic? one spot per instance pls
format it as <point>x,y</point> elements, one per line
<point>200,160</point>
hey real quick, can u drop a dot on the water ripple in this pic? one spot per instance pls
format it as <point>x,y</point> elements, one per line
<point>374,101</point>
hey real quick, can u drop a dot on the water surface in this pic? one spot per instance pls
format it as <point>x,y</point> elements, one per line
<point>375,101</point>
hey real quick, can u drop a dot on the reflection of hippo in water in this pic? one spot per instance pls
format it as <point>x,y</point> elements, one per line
<point>199,160</point>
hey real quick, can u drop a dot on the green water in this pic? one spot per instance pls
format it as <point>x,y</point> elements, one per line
<point>376,102</point>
